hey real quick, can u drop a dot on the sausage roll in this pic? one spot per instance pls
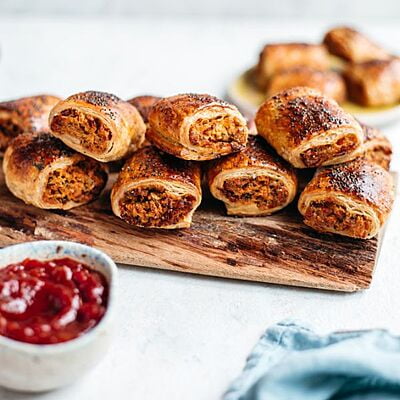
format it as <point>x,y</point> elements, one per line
<point>144,104</point>
<point>255,181</point>
<point>98,124</point>
<point>308,129</point>
<point>374,83</point>
<point>26,114</point>
<point>40,170</point>
<point>377,147</point>
<point>156,190</point>
<point>353,46</point>
<point>351,199</point>
<point>197,127</point>
<point>279,57</point>
<point>329,83</point>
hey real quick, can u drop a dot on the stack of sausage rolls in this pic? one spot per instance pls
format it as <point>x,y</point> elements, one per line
<point>56,151</point>
<point>351,192</point>
<point>166,144</point>
<point>346,65</point>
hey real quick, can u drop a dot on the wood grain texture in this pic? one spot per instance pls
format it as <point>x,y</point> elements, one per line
<point>277,249</point>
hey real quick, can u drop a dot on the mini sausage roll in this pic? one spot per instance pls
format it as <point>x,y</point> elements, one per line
<point>308,129</point>
<point>374,83</point>
<point>279,57</point>
<point>156,190</point>
<point>40,170</point>
<point>377,147</point>
<point>353,46</point>
<point>98,124</point>
<point>255,181</point>
<point>329,83</point>
<point>197,127</point>
<point>351,199</point>
<point>26,114</point>
<point>144,104</point>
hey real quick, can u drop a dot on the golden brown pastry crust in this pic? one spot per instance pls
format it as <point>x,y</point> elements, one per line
<point>98,124</point>
<point>255,181</point>
<point>25,114</point>
<point>279,57</point>
<point>308,129</point>
<point>377,147</point>
<point>40,170</point>
<point>353,46</point>
<point>351,199</point>
<point>374,83</point>
<point>144,104</point>
<point>329,83</point>
<point>197,127</point>
<point>156,190</point>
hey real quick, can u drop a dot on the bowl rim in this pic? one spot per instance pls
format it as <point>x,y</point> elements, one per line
<point>87,337</point>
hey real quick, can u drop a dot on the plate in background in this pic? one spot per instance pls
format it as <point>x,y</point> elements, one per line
<point>243,92</point>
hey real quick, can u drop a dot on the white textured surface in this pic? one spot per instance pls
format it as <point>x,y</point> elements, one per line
<point>184,337</point>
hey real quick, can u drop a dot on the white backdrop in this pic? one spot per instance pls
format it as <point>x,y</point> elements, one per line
<point>338,9</point>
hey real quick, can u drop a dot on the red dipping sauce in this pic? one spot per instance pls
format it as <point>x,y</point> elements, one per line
<point>48,302</point>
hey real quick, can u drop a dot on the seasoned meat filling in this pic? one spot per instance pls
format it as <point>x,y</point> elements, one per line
<point>317,155</point>
<point>153,206</point>
<point>264,191</point>
<point>80,183</point>
<point>217,132</point>
<point>8,130</point>
<point>323,215</point>
<point>90,130</point>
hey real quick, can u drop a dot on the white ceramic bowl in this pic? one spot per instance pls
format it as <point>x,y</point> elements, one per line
<point>35,368</point>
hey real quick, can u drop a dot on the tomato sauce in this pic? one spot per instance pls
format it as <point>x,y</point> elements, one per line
<point>48,302</point>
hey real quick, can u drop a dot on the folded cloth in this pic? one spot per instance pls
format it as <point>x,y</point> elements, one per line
<point>291,362</point>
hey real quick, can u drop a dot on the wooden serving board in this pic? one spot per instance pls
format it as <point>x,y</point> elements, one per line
<point>277,249</point>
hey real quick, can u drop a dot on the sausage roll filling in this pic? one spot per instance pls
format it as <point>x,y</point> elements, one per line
<point>253,182</point>
<point>330,213</point>
<point>42,171</point>
<point>156,190</point>
<point>352,199</point>
<point>266,192</point>
<point>197,127</point>
<point>26,114</point>
<point>89,130</point>
<point>217,132</point>
<point>319,155</point>
<point>99,125</point>
<point>308,129</point>
<point>80,182</point>
<point>154,206</point>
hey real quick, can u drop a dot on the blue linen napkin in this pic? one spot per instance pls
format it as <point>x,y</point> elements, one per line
<point>291,362</point>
